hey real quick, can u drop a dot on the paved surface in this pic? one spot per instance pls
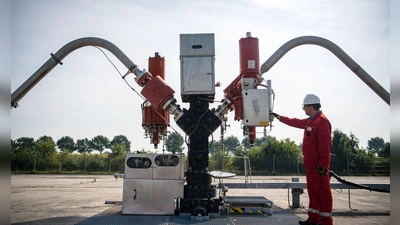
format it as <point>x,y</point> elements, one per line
<point>113,216</point>
<point>78,199</point>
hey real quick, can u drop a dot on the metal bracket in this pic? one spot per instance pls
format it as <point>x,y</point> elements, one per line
<point>56,59</point>
<point>348,191</point>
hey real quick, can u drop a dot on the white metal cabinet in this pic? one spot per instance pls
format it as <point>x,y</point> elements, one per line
<point>152,183</point>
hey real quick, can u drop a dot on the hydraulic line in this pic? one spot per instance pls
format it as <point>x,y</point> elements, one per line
<point>360,186</point>
<point>60,55</point>
<point>337,51</point>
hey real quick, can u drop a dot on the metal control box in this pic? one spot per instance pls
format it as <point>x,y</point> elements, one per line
<point>197,56</point>
<point>255,105</point>
<point>152,183</point>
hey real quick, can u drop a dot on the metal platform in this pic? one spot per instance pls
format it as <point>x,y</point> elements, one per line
<point>249,201</point>
<point>250,204</point>
<point>114,216</point>
<point>297,190</point>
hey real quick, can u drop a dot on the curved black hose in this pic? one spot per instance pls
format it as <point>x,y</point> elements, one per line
<point>332,174</point>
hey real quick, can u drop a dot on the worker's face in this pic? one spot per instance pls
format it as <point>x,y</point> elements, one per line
<point>307,109</point>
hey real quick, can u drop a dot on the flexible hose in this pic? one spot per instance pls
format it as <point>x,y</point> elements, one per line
<point>332,174</point>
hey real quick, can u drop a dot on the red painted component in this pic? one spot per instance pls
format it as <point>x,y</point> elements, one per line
<point>154,118</point>
<point>157,66</point>
<point>144,78</point>
<point>156,138</point>
<point>249,68</point>
<point>234,93</point>
<point>249,56</point>
<point>157,92</point>
<point>252,135</point>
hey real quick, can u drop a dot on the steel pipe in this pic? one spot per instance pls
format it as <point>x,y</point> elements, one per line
<point>337,51</point>
<point>56,58</point>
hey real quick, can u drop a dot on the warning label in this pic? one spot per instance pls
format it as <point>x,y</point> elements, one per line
<point>251,64</point>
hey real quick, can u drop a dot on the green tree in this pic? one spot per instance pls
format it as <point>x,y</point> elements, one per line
<point>121,140</point>
<point>257,156</point>
<point>261,140</point>
<point>231,143</point>
<point>282,156</point>
<point>46,153</point>
<point>340,151</point>
<point>246,143</point>
<point>22,153</point>
<point>97,162</point>
<point>118,164</point>
<point>375,144</point>
<point>99,143</point>
<point>347,157</point>
<point>71,162</point>
<point>216,161</point>
<point>118,150</point>
<point>215,146</point>
<point>66,143</point>
<point>385,151</point>
<point>83,146</point>
<point>354,144</point>
<point>363,162</point>
<point>63,155</point>
<point>271,155</point>
<point>174,143</point>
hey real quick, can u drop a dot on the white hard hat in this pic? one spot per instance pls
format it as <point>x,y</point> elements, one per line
<point>311,99</point>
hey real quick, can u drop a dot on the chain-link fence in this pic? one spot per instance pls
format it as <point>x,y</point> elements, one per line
<point>277,164</point>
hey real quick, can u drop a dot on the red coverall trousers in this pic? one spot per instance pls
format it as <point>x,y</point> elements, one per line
<point>319,192</point>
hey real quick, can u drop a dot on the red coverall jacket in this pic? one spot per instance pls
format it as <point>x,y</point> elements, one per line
<point>316,141</point>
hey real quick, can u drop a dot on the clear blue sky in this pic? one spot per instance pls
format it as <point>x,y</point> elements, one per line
<point>86,97</point>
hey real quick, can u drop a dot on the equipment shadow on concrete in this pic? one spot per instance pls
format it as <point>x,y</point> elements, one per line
<point>113,216</point>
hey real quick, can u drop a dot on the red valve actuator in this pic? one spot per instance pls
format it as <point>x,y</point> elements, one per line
<point>249,68</point>
<point>156,91</point>
<point>249,56</point>
<point>157,65</point>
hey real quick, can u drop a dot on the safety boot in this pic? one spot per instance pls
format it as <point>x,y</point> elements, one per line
<point>306,222</point>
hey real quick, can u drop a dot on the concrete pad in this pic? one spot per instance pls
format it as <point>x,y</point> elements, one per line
<point>74,199</point>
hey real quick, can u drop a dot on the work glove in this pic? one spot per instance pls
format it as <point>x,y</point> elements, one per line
<point>276,115</point>
<point>321,170</point>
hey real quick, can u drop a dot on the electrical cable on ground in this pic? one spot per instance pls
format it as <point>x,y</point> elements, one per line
<point>332,174</point>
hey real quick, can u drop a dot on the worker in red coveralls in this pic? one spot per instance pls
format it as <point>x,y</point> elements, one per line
<point>316,151</point>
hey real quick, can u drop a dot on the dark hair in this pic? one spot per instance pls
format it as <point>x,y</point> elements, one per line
<point>316,106</point>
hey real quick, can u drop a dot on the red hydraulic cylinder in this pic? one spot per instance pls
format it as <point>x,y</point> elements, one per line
<point>249,56</point>
<point>155,121</point>
<point>157,65</point>
<point>249,68</point>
